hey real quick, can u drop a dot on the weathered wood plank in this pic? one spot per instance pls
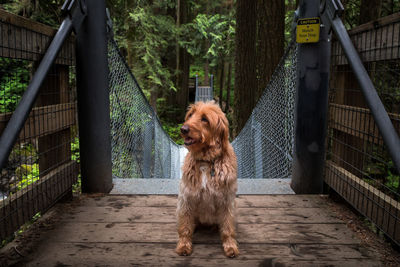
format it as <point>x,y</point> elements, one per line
<point>22,38</point>
<point>242,201</point>
<point>54,149</point>
<point>152,244</point>
<point>373,203</point>
<point>190,261</point>
<point>101,200</point>
<point>25,23</point>
<point>394,18</point>
<point>167,215</point>
<point>271,201</point>
<point>44,120</point>
<point>166,233</point>
<point>113,254</point>
<point>375,41</point>
<point>21,206</point>
<point>357,122</point>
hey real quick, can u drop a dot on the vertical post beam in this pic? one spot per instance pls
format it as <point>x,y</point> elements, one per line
<point>195,87</point>
<point>148,149</point>
<point>211,92</point>
<point>258,148</point>
<point>93,100</point>
<point>311,108</point>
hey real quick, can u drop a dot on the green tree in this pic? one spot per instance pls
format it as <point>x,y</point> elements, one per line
<point>13,82</point>
<point>153,33</point>
<point>44,11</point>
<point>210,39</point>
<point>216,29</point>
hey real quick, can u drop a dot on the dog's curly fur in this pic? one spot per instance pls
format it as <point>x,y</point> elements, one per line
<point>209,181</point>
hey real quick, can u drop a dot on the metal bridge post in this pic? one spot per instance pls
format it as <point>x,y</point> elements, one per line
<point>211,92</point>
<point>148,148</point>
<point>93,100</point>
<point>311,108</point>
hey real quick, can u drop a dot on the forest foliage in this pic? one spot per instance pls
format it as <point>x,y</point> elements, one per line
<point>150,32</point>
<point>156,36</point>
<point>165,42</point>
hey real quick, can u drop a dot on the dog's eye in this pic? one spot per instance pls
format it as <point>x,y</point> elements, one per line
<point>204,119</point>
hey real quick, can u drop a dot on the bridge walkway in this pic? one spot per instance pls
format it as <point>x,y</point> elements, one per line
<point>121,230</point>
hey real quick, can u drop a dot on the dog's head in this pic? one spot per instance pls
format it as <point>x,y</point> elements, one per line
<point>205,127</point>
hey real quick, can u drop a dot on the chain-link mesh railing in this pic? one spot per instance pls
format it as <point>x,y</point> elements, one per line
<point>141,148</point>
<point>264,146</point>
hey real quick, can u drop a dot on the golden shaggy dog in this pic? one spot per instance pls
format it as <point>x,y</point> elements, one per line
<point>209,181</point>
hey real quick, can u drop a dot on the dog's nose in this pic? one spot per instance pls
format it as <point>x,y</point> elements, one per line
<point>185,129</point>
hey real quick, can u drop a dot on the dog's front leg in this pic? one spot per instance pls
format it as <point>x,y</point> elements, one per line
<point>227,230</point>
<point>186,227</point>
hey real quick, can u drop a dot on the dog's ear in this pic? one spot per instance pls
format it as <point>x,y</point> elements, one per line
<point>223,129</point>
<point>190,110</point>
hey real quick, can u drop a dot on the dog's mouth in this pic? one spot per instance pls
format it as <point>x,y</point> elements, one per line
<point>189,141</point>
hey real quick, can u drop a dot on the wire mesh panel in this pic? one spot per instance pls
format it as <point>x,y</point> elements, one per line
<point>141,148</point>
<point>264,147</point>
<point>42,166</point>
<point>358,164</point>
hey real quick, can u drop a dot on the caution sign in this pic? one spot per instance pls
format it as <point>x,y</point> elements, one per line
<point>308,30</point>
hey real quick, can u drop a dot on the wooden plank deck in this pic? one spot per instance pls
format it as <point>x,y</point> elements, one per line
<point>273,230</point>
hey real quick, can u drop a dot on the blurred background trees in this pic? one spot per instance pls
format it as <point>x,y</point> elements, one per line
<point>167,42</point>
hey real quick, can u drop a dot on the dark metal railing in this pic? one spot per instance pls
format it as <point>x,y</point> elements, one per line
<point>38,144</point>
<point>17,121</point>
<point>363,156</point>
<point>331,17</point>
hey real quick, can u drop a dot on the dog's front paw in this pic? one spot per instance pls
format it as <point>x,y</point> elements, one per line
<point>184,248</point>
<point>231,249</point>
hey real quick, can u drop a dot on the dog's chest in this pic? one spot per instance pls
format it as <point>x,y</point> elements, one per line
<point>206,174</point>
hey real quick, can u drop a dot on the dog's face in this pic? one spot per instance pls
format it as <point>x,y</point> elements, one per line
<point>205,126</point>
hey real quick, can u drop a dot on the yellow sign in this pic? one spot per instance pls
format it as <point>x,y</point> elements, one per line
<point>308,30</point>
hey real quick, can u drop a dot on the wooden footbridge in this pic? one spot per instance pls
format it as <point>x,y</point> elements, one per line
<point>356,159</point>
<point>115,230</point>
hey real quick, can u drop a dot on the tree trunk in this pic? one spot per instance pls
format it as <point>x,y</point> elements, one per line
<point>177,52</point>
<point>129,51</point>
<point>270,40</point>
<point>391,12</point>
<point>228,88</point>
<point>369,10</point>
<point>181,64</point>
<point>221,82</point>
<point>130,33</point>
<point>206,80</point>
<point>153,99</point>
<point>182,95</point>
<point>245,64</point>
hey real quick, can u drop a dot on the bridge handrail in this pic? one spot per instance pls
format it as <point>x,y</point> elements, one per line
<point>331,18</point>
<point>20,115</point>
<point>114,43</point>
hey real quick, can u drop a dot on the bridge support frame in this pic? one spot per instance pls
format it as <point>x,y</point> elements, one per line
<point>93,100</point>
<point>311,107</point>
